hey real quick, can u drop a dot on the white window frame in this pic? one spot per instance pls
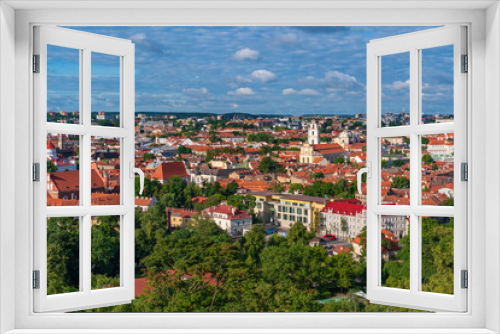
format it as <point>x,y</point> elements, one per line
<point>412,44</point>
<point>484,103</point>
<point>86,44</point>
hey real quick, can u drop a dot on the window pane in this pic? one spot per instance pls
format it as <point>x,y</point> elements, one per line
<point>395,248</point>
<point>395,95</point>
<point>63,169</point>
<point>438,169</point>
<point>105,171</point>
<point>105,252</point>
<point>395,170</point>
<point>437,254</point>
<point>63,84</point>
<point>63,255</point>
<point>105,89</point>
<point>437,84</point>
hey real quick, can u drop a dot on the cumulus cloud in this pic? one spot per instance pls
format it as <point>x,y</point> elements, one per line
<point>264,76</point>
<point>246,53</point>
<point>304,92</point>
<point>234,105</point>
<point>399,85</point>
<point>242,91</point>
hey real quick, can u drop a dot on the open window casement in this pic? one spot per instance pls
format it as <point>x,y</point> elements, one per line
<point>413,49</point>
<point>67,199</point>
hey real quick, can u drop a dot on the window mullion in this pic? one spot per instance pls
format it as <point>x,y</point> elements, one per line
<point>415,170</point>
<point>85,167</point>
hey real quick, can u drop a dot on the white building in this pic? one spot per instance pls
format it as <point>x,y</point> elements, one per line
<point>441,146</point>
<point>345,219</point>
<point>313,134</point>
<point>230,219</point>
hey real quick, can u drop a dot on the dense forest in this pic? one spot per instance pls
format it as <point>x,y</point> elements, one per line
<point>201,269</point>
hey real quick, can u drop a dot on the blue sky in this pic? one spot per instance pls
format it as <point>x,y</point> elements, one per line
<point>258,70</point>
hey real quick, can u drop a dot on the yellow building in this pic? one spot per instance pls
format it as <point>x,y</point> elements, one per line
<point>285,210</point>
<point>179,218</point>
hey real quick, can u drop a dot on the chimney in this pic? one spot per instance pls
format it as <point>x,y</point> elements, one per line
<point>234,210</point>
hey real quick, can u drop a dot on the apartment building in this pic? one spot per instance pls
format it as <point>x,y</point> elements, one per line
<point>285,210</point>
<point>346,218</point>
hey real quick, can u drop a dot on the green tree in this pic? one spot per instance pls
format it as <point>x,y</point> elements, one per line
<point>183,150</point>
<point>326,139</point>
<point>268,165</point>
<point>63,240</point>
<point>175,186</point>
<point>294,187</point>
<point>278,187</point>
<point>318,175</point>
<point>298,234</point>
<point>427,159</point>
<point>105,253</point>
<point>231,188</point>
<point>152,187</point>
<point>213,189</point>
<point>343,226</point>
<point>51,167</point>
<point>448,202</point>
<point>400,182</point>
<point>339,160</point>
<point>254,242</point>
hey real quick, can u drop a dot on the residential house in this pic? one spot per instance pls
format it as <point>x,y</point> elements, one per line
<point>230,218</point>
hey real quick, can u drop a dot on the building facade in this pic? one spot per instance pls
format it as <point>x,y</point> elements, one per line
<point>285,210</point>
<point>230,219</point>
<point>346,219</point>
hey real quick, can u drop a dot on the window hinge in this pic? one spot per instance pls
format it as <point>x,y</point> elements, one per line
<point>36,63</point>
<point>464,171</point>
<point>465,279</point>
<point>465,64</point>
<point>36,279</point>
<point>36,172</point>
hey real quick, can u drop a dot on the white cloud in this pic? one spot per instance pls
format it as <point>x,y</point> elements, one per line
<point>242,91</point>
<point>399,85</point>
<point>286,39</point>
<point>304,92</point>
<point>234,105</point>
<point>264,76</point>
<point>195,91</point>
<point>241,79</point>
<point>289,91</point>
<point>246,53</point>
<point>334,79</point>
<point>138,36</point>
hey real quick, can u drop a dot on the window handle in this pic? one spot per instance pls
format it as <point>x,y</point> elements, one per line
<point>368,171</point>
<point>133,171</point>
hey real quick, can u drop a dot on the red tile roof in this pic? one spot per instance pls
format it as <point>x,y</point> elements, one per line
<point>169,169</point>
<point>343,207</point>
<point>228,210</point>
<point>341,249</point>
<point>70,180</point>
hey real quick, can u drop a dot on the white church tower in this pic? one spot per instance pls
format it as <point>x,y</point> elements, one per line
<point>313,133</point>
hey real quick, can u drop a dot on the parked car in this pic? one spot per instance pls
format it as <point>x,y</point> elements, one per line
<point>329,237</point>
